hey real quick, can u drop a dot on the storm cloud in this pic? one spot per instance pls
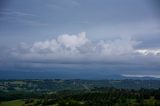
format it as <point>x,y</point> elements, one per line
<point>78,49</point>
<point>120,37</point>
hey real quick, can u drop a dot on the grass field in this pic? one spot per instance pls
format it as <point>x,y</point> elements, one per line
<point>12,103</point>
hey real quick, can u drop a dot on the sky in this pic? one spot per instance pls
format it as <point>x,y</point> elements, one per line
<point>81,37</point>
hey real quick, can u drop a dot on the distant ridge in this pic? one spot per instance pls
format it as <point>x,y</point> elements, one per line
<point>66,75</point>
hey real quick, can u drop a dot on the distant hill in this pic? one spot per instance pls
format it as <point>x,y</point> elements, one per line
<point>43,74</point>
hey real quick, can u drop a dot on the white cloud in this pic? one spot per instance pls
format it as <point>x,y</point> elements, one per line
<point>78,48</point>
<point>72,41</point>
<point>148,51</point>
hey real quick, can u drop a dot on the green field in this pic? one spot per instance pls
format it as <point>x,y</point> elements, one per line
<point>12,103</point>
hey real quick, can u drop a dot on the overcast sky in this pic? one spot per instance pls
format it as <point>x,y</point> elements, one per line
<point>113,36</point>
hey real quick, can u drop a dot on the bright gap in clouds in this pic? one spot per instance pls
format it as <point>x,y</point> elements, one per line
<point>141,76</point>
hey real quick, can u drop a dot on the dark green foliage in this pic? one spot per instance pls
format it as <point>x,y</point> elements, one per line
<point>29,101</point>
<point>94,96</point>
<point>70,103</point>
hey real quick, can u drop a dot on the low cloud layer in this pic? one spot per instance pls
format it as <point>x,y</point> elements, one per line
<point>77,55</point>
<point>78,48</point>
